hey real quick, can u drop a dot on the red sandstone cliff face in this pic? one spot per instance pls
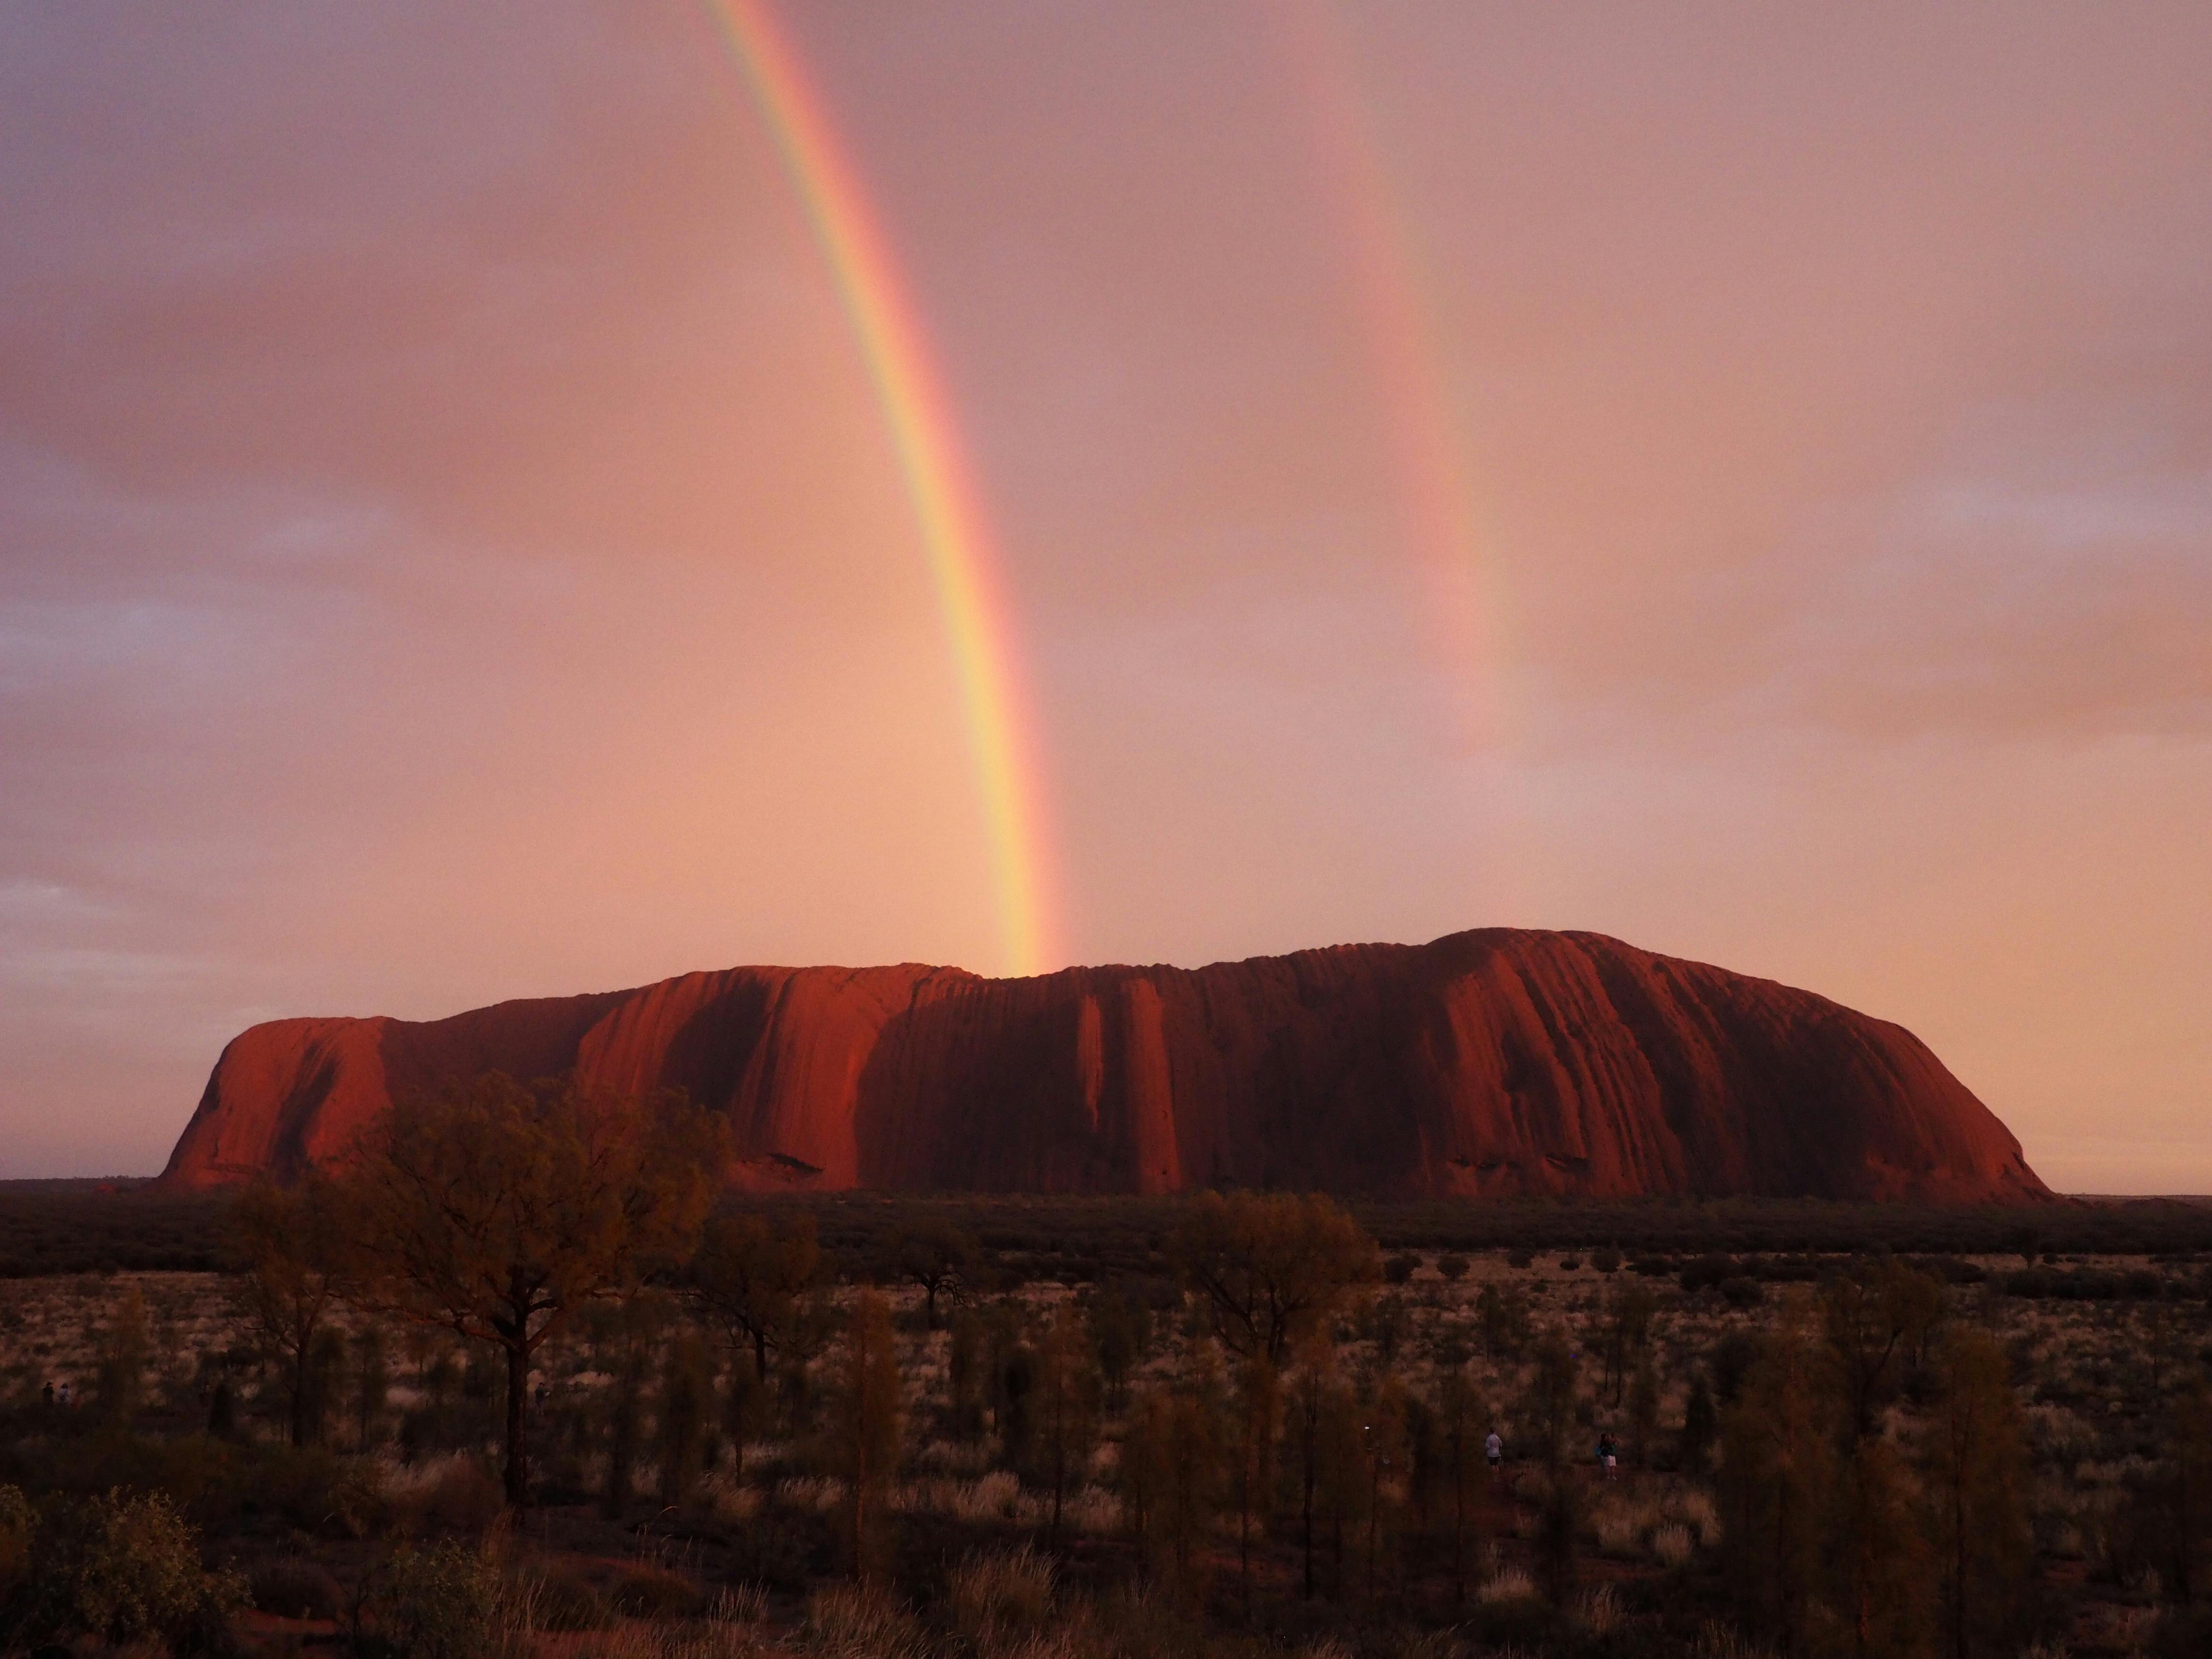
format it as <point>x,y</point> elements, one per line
<point>1486,1064</point>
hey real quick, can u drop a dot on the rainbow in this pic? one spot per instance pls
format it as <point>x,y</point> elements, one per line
<point>939,481</point>
<point>1462,602</point>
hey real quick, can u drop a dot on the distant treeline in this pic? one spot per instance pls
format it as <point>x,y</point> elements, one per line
<point>73,1227</point>
<point>85,1227</point>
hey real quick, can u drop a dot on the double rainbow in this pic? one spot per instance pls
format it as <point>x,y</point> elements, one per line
<point>948,510</point>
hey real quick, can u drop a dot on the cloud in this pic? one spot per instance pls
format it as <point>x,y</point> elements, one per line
<point>449,548</point>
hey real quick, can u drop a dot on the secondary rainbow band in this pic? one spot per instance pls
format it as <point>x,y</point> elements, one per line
<point>926,437</point>
<point>1463,602</point>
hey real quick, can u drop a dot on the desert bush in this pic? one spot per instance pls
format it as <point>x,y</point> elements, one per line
<point>1397,1270</point>
<point>458,1494</point>
<point>442,1602</point>
<point>126,1568</point>
<point>316,1490</point>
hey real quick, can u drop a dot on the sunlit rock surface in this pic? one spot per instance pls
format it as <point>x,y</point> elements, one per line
<point>1492,1063</point>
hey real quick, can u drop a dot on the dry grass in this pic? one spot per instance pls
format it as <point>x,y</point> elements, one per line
<point>859,1621</point>
<point>993,1595</point>
<point>1507,1584</point>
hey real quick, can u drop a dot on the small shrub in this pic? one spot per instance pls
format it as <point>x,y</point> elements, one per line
<point>128,1569</point>
<point>442,1602</point>
<point>1399,1268</point>
<point>458,1494</point>
<point>1453,1266</point>
<point>294,1587</point>
<point>317,1490</point>
<point>1571,1264</point>
<point>1672,1545</point>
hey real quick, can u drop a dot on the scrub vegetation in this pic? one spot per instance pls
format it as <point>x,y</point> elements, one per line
<point>514,1388</point>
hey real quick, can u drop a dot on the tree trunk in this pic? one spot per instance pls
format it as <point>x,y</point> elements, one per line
<point>299,1393</point>
<point>1308,1515</point>
<point>518,1427</point>
<point>1459,1524</point>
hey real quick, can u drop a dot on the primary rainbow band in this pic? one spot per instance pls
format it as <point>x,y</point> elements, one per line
<point>977,619</point>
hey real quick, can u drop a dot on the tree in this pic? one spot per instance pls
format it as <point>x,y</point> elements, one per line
<point>1192,1464</point>
<point>1382,1454</point>
<point>1066,1400</point>
<point>635,1326</point>
<point>1643,1407</point>
<point>1121,1331</point>
<point>1462,1422</point>
<point>371,1383</point>
<point>812,1328</point>
<point>1869,1314</point>
<point>496,1211</point>
<point>1779,1477</point>
<point>1502,1315</point>
<point>940,1258</point>
<point>1701,1425</point>
<point>1255,1422</point>
<point>1552,1398</point>
<point>1272,1267</point>
<point>1314,1384</point>
<point>2192,1445</point>
<point>1628,1310</point>
<point>686,1397</point>
<point>868,1421</point>
<point>1343,1461</point>
<point>1881,1561</point>
<point>965,1386</point>
<point>296,1248</point>
<point>752,1275</point>
<point>1977,1458</point>
<point>123,1348</point>
<point>1142,1470</point>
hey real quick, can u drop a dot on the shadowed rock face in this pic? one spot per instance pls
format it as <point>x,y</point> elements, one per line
<point>1486,1064</point>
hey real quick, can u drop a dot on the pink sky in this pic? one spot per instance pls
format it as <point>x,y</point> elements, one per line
<point>449,551</point>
